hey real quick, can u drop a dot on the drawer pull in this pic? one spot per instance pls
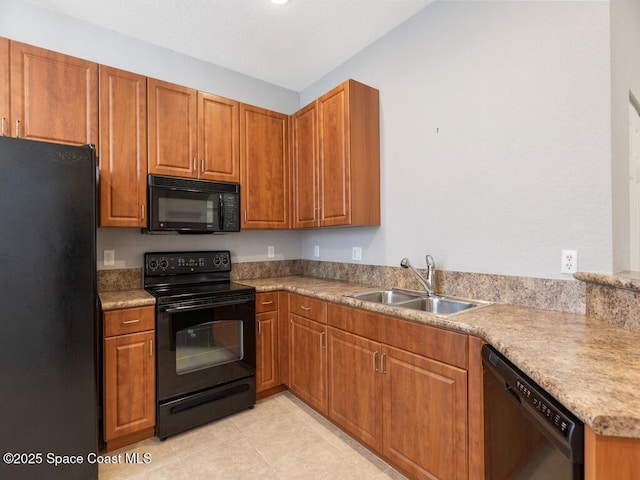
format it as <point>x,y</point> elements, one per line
<point>270,302</point>
<point>129,322</point>
<point>305,308</point>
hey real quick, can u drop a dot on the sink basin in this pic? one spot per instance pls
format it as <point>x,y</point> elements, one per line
<point>440,305</point>
<point>387,297</point>
<point>436,304</point>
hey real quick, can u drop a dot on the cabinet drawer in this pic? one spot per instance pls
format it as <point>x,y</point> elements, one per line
<point>129,320</point>
<point>307,307</point>
<point>266,302</point>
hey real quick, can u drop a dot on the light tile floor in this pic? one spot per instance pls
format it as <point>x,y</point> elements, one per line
<point>280,439</point>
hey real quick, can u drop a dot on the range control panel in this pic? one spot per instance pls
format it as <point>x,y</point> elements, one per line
<point>176,263</point>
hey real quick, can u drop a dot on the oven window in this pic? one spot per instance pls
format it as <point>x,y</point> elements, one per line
<point>208,344</point>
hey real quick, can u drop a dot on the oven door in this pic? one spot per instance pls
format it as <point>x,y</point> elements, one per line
<point>200,346</point>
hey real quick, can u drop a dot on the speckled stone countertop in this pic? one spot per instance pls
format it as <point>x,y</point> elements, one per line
<point>591,367</point>
<point>125,299</point>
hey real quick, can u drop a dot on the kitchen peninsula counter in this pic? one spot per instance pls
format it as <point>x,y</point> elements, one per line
<point>590,366</point>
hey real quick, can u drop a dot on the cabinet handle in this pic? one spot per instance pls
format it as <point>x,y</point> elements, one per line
<point>259,327</point>
<point>375,363</point>
<point>201,166</point>
<point>151,348</point>
<point>141,212</point>
<point>305,308</point>
<point>321,339</point>
<point>270,302</point>
<point>4,119</point>
<point>17,128</point>
<point>128,322</point>
<point>245,216</point>
<point>383,363</point>
<point>194,164</point>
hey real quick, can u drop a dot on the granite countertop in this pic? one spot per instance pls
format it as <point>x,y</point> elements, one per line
<point>591,367</point>
<point>126,299</point>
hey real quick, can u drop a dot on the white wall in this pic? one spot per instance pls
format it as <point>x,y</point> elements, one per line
<point>495,139</point>
<point>625,79</point>
<point>495,134</point>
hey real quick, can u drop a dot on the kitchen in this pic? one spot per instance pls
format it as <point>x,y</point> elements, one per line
<point>518,103</point>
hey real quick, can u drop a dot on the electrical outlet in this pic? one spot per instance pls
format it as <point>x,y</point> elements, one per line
<point>109,258</point>
<point>316,251</point>
<point>271,251</point>
<point>356,253</point>
<point>569,261</point>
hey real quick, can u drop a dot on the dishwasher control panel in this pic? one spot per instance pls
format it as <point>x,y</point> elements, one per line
<point>532,397</point>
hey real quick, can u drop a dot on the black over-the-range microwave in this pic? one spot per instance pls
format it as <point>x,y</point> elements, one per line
<point>192,206</point>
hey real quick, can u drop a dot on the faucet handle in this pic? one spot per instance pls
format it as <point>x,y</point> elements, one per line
<point>430,262</point>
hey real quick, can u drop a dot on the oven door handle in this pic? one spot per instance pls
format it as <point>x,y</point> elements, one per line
<point>185,308</point>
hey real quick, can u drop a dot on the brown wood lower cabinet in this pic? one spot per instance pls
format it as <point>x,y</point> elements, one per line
<point>410,408</point>
<point>129,376</point>
<point>307,350</point>
<point>424,415</point>
<point>267,365</point>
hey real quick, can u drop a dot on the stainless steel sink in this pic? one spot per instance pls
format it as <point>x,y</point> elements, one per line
<point>440,305</point>
<point>386,297</point>
<point>436,304</point>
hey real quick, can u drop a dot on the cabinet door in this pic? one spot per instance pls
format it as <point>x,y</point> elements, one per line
<point>355,389</point>
<point>54,97</point>
<point>335,175</point>
<point>5,125</point>
<point>266,350</point>
<point>264,168</point>
<point>218,141</point>
<point>172,129</point>
<point>304,153</point>
<point>123,148</point>
<point>129,384</point>
<point>308,362</point>
<point>424,415</point>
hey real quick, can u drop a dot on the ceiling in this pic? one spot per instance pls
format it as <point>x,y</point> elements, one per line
<point>290,45</point>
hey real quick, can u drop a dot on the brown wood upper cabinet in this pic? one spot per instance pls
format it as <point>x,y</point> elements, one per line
<point>5,126</point>
<point>192,134</point>
<point>54,97</point>
<point>123,148</point>
<point>264,162</point>
<point>336,158</point>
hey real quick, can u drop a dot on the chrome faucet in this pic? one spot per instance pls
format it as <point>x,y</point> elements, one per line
<point>427,283</point>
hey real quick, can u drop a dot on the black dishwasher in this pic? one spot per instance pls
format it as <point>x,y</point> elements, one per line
<point>527,433</point>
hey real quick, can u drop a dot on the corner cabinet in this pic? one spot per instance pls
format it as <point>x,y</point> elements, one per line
<point>123,148</point>
<point>307,350</point>
<point>336,158</point>
<point>267,365</point>
<point>54,97</point>
<point>264,168</point>
<point>129,376</point>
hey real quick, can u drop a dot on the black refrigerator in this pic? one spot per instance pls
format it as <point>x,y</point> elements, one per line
<point>48,342</point>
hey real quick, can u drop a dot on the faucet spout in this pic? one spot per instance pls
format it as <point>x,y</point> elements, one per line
<point>427,283</point>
